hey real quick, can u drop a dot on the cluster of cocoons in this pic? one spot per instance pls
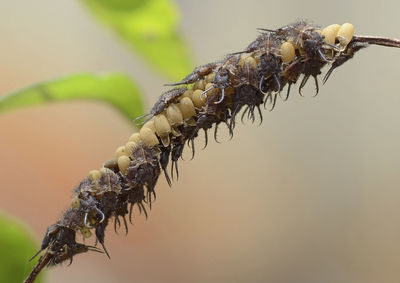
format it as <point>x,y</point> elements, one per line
<point>161,127</point>
<point>181,111</point>
<point>212,94</point>
<point>341,35</point>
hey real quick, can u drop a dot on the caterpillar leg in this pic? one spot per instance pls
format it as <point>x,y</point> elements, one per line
<point>287,93</point>
<point>343,57</point>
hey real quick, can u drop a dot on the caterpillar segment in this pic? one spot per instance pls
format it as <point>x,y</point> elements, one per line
<point>212,94</point>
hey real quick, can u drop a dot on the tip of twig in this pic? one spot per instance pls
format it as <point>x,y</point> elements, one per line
<point>377,40</point>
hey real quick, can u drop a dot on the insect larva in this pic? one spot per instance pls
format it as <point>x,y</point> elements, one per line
<point>212,94</point>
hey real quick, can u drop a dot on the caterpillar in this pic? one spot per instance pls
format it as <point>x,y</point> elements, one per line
<point>212,94</point>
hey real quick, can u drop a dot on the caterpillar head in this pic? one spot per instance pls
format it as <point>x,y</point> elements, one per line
<point>60,245</point>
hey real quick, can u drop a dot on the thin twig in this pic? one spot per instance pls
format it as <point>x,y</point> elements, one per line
<point>377,40</point>
<point>43,261</point>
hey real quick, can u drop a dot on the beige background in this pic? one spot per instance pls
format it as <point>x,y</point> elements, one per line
<point>310,196</point>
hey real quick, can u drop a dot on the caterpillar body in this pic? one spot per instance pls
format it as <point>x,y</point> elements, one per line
<point>212,94</point>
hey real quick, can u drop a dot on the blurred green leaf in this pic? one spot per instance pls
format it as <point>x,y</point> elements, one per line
<point>150,28</point>
<point>116,89</point>
<point>16,246</point>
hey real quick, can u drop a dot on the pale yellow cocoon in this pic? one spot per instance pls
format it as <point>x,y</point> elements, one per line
<point>120,151</point>
<point>250,61</point>
<point>104,171</point>
<point>345,34</point>
<point>94,175</point>
<point>187,108</point>
<point>329,35</point>
<point>199,85</point>
<point>135,137</point>
<point>334,27</point>
<point>242,60</point>
<point>150,125</point>
<point>162,125</point>
<point>210,77</point>
<point>174,115</point>
<point>148,137</point>
<point>129,147</point>
<point>187,93</point>
<point>198,99</point>
<point>86,233</point>
<point>75,202</point>
<point>287,52</point>
<point>211,91</point>
<point>123,163</point>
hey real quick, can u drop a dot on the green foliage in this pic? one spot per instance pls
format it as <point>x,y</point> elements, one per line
<point>150,28</point>
<point>16,248</point>
<point>116,89</point>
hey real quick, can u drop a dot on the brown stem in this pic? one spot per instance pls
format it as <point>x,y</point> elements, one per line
<point>43,261</point>
<point>376,40</point>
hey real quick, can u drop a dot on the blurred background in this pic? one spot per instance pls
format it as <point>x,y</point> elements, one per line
<point>312,195</point>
